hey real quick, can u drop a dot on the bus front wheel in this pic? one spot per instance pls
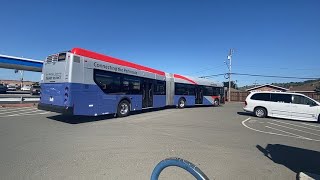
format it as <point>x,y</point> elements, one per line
<point>123,108</point>
<point>216,102</point>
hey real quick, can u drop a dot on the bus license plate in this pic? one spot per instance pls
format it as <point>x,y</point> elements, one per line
<point>51,99</point>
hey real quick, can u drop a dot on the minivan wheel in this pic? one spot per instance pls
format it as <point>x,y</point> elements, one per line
<point>260,112</point>
<point>123,108</point>
<point>182,103</point>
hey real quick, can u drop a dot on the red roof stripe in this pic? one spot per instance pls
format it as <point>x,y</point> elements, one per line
<point>184,78</point>
<point>101,57</point>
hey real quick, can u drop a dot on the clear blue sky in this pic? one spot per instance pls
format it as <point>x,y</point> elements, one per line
<point>182,36</point>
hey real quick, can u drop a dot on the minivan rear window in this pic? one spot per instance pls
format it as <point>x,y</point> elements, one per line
<point>261,96</point>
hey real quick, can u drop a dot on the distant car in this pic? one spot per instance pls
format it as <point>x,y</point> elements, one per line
<point>11,87</point>
<point>26,88</point>
<point>35,89</point>
<point>3,88</point>
<point>283,105</point>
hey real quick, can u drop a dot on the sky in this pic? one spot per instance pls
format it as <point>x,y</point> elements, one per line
<point>188,37</point>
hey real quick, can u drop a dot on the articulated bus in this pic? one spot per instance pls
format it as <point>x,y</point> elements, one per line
<point>81,82</point>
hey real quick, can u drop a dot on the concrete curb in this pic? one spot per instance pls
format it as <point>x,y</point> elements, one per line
<point>19,105</point>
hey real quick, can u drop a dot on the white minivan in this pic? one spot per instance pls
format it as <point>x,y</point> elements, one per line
<point>283,105</point>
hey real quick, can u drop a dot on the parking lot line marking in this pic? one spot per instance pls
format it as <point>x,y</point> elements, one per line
<point>6,109</point>
<point>296,125</point>
<point>26,114</point>
<point>298,136</point>
<point>30,111</point>
<point>7,112</point>
<point>272,133</point>
<point>243,123</point>
<point>311,125</point>
<point>294,129</point>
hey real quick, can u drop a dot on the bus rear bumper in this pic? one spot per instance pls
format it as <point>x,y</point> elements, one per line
<point>55,108</point>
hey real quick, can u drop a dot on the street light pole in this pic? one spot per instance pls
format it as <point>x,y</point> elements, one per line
<point>229,67</point>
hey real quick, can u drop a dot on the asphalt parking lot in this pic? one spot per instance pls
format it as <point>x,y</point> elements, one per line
<point>223,142</point>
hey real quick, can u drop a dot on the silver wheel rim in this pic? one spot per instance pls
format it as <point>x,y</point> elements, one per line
<point>124,108</point>
<point>216,103</point>
<point>182,103</point>
<point>260,112</point>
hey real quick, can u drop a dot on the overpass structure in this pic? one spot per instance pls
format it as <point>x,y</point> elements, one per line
<point>19,63</point>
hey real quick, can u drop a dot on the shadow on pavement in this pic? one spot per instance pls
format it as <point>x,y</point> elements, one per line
<point>245,114</point>
<point>200,106</point>
<point>74,119</point>
<point>296,159</point>
<point>80,119</point>
<point>86,119</point>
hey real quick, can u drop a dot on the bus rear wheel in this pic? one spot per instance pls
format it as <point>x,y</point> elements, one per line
<point>182,103</point>
<point>123,108</point>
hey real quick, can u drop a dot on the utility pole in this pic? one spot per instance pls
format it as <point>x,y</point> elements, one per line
<point>21,73</point>
<point>21,76</point>
<point>229,67</point>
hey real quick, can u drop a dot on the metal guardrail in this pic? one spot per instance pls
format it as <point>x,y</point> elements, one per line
<point>184,164</point>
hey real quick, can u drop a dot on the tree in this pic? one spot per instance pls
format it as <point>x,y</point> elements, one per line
<point>233,84</point>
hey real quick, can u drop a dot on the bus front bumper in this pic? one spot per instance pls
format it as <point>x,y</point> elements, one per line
<point>55,108</point>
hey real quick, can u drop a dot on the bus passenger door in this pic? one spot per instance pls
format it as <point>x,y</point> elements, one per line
<point>199,95</point>
<point>147,93</point>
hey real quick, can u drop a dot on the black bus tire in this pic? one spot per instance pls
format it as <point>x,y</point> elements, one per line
<point>181,103</point>
<point>123,108</point>
<point>216,102</point>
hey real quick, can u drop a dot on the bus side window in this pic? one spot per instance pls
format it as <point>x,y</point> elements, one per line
<point>160,88</point>
<point>131,85</point>
<point>208,91</point>
<point>108,82</point>
<point>184,89</point>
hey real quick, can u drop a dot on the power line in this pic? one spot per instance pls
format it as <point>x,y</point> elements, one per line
<point>273,76</point>
<point>206,69</point>
<point>213,75</point>
<point>280,68</point>
<point>260,75</point>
